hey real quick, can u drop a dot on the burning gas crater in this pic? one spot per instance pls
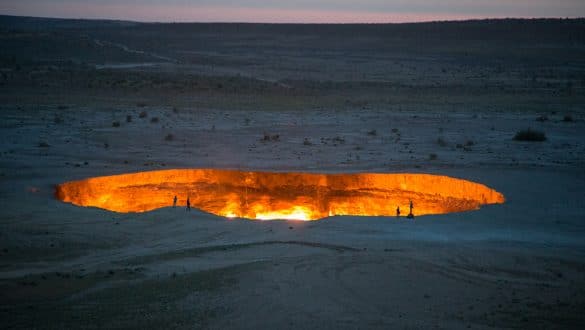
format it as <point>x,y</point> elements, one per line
<point>266,195</point>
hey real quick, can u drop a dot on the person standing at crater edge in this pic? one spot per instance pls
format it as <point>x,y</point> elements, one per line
<point>188,204</point>
<point>175,201</point>
<point>397,211</point>
<point>410,214</point>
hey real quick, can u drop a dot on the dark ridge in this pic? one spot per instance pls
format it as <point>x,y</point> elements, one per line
<point>510,28</point>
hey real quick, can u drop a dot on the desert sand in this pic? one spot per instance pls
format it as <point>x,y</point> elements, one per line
<point>78,99</point>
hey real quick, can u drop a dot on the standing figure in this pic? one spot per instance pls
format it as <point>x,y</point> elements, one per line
<point>175,201</point>
<point>188,204</point>
<point>410,215</point>
<point>398,211</point>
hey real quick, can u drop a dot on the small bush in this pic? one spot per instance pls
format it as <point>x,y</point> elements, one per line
<point>542,118</point>
<point>373,132</point>
<point>339,140</point>
<point>469,143</point>
<point>143,114</point>
<point>154,120</point>
<point>128,118</point>
<point>268,137</point>
<point>568,119</point>
<point>307,142</point>
<point>441,142</point>
<point>432,156</point>
<point>529,135</point>
<point>141,104</point>
<point>116,124</point>
<point>169,137</point>
<point>43,144</point>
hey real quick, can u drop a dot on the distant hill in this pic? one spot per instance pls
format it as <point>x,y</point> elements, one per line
<point>463,28</point>
<point>549,53</point>
<point>42,23</point>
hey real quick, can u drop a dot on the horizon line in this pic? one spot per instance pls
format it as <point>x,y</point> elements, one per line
<point>470,19</point>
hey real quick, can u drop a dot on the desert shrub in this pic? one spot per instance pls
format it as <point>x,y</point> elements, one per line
<point>154,120</point>
<point>128,118</point>
<point>169,137</point>
<point>339,139</point>
<point>432,156</point>
<point>143,114</point>
<point>116,124</point>
<point>141,104</point>
<point>43,144</point>
<point>469,143</point>
<point>58,119</point>
<point>542,118</point>
<point>62,107</point>
<point>307,142</point>
<point>568,118</point>
<point>268,137</point>
<point>441,142</point>
<point>373,132</point>
<point>529,135</point>
<point>175,110</point>
<point>395,130</point>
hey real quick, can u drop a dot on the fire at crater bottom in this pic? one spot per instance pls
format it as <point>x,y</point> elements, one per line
<point>275,195</point>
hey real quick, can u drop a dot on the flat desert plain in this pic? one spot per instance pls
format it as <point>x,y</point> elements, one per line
<point>81,99</point>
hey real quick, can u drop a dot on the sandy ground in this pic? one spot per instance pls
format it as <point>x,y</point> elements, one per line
<point>519,264</point>
<point>516,265</point>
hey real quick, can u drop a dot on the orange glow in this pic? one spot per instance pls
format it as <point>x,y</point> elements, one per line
<point>267,195</point>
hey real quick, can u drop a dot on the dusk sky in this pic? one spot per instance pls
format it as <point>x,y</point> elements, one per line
<point>303,11</point>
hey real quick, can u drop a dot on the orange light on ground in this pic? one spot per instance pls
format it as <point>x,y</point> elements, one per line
<point>267,195</point>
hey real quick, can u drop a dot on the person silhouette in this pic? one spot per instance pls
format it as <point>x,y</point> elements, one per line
<point>175,201</point>
<point>398,211</point>
<point>410,214</point>
<point>188,204</point>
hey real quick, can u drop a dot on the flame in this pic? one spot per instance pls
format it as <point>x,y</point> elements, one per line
<point>267,195</point>
<point>294,213</point>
